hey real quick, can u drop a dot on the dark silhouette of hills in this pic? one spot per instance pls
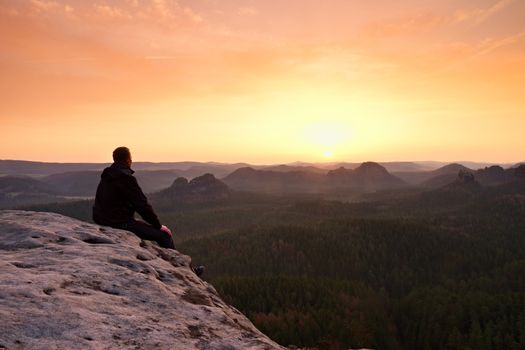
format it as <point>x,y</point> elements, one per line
<point>17,191</point>
<point>250,179</point>
<point>23,167</point>
<point>368,176</point>
<point>84,183</point>
<point>74,183</point>
<point>465,181</point>
<point>15,184</point>
<point>433,178</point>
<point>287,168</point>
<point>493,175</point>
<point>202,189</point>
<point>487,176</point>
<point>517,182</point>
<point>155,180</point>
<point>191,169</point>
<point>218,170</point>
<point>341,182</point>
<point>389,166</point>
<point>444,175</point>
<point>517,172</point>
<point>492,184</point>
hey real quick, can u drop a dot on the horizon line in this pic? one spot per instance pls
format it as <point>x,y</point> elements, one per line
<point>277,163</point>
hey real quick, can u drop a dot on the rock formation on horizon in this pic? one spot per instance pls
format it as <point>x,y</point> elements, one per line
<point>465,182</point>
<point>202,189</point>
<point>67,284</point>
<point>369,176</point>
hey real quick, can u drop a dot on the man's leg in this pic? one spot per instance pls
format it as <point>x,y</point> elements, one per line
<point>150,233</point>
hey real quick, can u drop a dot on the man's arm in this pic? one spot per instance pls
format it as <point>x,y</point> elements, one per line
<point>133,193</point>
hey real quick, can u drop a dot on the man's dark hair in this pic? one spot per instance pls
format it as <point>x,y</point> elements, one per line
<point>121,154</point>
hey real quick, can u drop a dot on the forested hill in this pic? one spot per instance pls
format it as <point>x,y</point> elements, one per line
<point>380,275</point>
<point>438,269</point>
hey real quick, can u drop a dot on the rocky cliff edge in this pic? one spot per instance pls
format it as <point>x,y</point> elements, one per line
<point>67,284</point>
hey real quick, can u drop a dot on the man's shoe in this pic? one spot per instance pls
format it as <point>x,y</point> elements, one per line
<point>198,270</point>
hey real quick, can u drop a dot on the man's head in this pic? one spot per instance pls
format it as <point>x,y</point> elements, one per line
<point>122,155</point>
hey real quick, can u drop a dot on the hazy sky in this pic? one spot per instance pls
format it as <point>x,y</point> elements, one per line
<point>263,81</point>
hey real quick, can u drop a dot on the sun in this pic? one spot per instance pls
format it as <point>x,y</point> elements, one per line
<point>326,138</point>
<point>328,154</point>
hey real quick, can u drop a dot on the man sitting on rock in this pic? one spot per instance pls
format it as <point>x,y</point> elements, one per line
<point>119,196</point>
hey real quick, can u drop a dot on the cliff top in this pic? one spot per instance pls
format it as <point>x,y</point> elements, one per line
<point>67,284</point>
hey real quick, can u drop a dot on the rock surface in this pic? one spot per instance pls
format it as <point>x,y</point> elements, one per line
<point>66,284</point>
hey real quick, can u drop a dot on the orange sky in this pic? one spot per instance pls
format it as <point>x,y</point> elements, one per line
<point>263,81</point>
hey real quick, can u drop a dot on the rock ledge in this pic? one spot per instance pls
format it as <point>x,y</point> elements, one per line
<point>67,284</point>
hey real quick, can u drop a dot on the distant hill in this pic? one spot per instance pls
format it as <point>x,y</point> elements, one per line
<point>17,191</point>
<point>465,181</point>
<point>202,189</point>
<point>217,169</point>
<point>469,187</point>
<point>84,183</point>
<point>368,176</point>
<point>74,183</point>
<point>287,168</point>
<point>12,184</point>
<point>517,183</point>
<point>23,167</point>
<point>403,166</point>
<point>444,175</point>
<point>517,172</point>
<point>433,178</point>
<point>389,166</point>
<point>249,179</point>
<point>190,169</point>
<point>493,175</point>
<point>488,176</point>
<point>155,180</point>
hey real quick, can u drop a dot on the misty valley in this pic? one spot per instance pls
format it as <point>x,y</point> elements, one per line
<point>399,255</point>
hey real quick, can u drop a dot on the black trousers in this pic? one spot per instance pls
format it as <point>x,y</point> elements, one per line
<point>147,232</point>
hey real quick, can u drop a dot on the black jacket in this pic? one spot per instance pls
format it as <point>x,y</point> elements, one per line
<point>119,196</point>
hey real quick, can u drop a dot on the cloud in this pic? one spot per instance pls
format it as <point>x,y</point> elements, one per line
<point>421,22</point>
<point>111,12</point>
<point>490,45</point>
<point>167,13</point>
<point>162,7</point>
<point>42,5</point>
<point>194,17</point>
<point>480,14</point>
<point>247,11</point>
<point>409,24</point>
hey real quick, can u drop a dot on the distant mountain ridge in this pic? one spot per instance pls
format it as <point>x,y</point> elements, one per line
<point>308,178</point>
<point>32,168</point>
<point>17,191</point>
<point>84,183</point>
<point>191,169</point>
<point>250,179</point>
<point>369,176</point>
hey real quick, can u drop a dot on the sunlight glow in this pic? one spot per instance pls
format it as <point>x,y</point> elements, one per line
<point>326,134</point>
<point>207,81</point>
<point>328,154</point>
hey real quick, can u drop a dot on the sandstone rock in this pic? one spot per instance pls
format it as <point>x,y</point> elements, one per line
<point>66,284</point>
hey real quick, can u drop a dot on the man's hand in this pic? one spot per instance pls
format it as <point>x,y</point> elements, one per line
<point>166,229</point>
